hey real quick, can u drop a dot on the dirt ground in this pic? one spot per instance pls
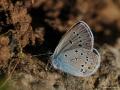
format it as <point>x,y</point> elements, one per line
<point>29,28</point>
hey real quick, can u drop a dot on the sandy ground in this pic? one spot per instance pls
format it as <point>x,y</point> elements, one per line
<point>33,27</point>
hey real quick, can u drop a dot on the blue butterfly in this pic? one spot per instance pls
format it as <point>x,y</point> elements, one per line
<point>75,53</point>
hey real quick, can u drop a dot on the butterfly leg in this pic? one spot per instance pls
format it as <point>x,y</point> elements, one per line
<point>49,65</point>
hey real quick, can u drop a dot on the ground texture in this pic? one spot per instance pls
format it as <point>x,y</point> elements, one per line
<point>33,27</point>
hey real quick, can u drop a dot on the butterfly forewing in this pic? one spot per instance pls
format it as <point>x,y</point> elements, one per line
<point>79,36</point>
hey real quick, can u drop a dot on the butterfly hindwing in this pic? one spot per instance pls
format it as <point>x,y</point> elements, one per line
<point>78,62</point>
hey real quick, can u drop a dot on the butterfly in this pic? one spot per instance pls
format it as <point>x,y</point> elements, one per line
<point>75,53</point>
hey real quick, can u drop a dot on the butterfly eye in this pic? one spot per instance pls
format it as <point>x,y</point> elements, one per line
<point>77,34</point>
<point>73,32</point>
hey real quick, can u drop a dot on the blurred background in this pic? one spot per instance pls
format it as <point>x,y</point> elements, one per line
<point>34,27</point>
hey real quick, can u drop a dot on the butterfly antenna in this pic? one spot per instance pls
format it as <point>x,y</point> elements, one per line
<point>44,54</point>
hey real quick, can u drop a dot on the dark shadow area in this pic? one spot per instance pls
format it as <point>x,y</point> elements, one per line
<point>102,38</point>
<point>68,10</point>
<point>51,37</point>
<point>4,25</point>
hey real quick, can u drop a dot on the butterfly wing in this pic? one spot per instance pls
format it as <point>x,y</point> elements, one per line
<point>78,62</point>
<point>79,36</point>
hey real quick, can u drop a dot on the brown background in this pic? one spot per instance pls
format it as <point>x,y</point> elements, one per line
<point>33,27</point>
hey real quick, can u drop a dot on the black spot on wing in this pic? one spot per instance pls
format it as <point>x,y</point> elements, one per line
<point>70,41</point>
<point>80,45</point>
<point>81,53</point>
<point>65,55</point>
<point>82,65</point>
<point>76,51</point>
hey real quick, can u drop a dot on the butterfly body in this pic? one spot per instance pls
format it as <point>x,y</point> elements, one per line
<point>74,53</point>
